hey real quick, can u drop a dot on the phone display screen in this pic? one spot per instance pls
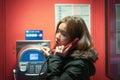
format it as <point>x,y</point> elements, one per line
<point>34,56</point>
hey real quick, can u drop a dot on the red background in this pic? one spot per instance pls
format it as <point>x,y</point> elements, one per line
<point>16,16</point>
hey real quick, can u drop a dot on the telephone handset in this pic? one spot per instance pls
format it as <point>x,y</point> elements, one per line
<point>71,45</point>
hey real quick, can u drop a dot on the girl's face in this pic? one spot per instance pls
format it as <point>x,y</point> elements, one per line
<point>62,37</point>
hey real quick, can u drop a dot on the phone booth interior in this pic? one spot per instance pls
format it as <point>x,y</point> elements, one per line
<point>30,59</point>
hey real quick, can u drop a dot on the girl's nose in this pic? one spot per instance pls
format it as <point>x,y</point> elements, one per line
<point>58,35</point>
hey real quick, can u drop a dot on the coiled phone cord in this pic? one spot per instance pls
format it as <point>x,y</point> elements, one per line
<point>14,74</point>
<point>50,51</point>
<point>42,69</point>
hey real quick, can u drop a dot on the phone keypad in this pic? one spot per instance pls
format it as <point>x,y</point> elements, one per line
<point>34,68</point>
<point>37,68</point>
<point>31,68</point>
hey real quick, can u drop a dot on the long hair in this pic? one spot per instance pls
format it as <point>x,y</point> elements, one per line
<point>76,27</point>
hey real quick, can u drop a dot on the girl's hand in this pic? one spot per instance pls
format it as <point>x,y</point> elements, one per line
<point>46,51</point>
<point>62,50</point>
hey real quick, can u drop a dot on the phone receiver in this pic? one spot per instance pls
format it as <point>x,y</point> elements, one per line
<point>71,45</point>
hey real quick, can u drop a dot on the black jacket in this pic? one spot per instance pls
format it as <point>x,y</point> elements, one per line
<point>72,67</point>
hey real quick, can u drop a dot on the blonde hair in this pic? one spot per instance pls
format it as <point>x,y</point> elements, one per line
<point>76,27</point>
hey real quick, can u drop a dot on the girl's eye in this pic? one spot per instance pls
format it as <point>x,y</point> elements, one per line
<point>63,34</point>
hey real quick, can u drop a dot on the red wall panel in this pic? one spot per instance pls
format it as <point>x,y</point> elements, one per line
<point>36,14</point>
<point>2,40</point>
<point>98,33</point>
<point>1,55</point>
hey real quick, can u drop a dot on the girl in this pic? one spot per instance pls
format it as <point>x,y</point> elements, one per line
<point>74,62</point>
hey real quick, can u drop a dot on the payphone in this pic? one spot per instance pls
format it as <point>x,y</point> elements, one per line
<point>31,61</point>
